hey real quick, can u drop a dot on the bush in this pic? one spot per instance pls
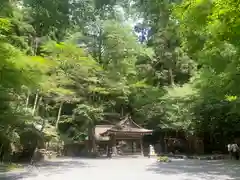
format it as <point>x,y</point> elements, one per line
<point>10,167</point>
<point>163,159</point>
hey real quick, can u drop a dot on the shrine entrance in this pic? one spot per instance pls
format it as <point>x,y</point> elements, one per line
<point>124,138</point>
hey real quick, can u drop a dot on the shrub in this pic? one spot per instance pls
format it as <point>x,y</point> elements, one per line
<point>163,159</point>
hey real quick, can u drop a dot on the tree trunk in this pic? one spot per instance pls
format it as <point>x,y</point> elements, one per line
<point>100,46</point>
<point>91,139</point>
<point>122,112</point>
<point>59,114</point>
<point>35,103</point>
<point>171,78</point>
<point>43,125</point>
<point>46,115</point>
<point>1,153</point>
<point>94,145</point>
<point>38,106</point>
<point>27,100</point>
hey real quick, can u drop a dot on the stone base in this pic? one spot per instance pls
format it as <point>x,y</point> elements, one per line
<point>206,157</point>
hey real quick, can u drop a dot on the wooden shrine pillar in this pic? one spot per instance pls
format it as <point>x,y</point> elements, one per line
<point>113,144</point>
<point>141,146</point>
<point>132,144</point>
<point>165,142</point>
<point>134,147</point>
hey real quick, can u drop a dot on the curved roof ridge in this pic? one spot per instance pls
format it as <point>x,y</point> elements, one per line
<point>129,118</point>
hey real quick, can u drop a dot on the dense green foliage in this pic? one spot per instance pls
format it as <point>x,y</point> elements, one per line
<point>69,65</point>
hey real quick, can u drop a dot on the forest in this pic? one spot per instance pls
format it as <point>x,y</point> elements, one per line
<point>69,65</point>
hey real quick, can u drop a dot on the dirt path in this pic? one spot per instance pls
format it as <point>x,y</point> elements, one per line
<point>130,168</point>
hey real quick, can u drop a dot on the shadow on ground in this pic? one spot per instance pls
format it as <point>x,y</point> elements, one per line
<point>45,168</point>
<point>197,169</point>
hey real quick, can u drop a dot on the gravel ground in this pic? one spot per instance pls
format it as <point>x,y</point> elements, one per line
<point>129,168</point>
